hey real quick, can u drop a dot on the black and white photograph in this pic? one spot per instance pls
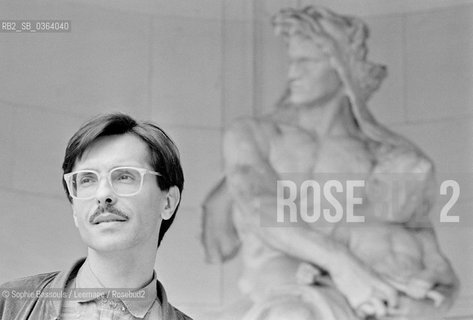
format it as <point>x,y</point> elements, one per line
<point>236,159</point>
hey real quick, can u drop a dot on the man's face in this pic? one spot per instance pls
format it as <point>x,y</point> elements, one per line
<point>311,77</point>
<point>144,211</point>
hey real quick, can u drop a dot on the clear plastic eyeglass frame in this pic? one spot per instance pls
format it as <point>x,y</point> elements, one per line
<point>142,171</point>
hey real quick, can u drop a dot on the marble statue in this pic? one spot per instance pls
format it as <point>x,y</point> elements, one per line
<point>390,266</point>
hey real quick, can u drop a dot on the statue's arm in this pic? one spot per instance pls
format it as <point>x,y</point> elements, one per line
<point>409,178</point>
<point>417,197</point>
<point>251,181</point>
<point>219,236</point>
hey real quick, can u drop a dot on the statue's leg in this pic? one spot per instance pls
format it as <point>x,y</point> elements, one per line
<point>291,311</point>
<point>283,308</point>
<point>302,302</point>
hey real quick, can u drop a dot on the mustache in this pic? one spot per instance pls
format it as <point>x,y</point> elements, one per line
<point>108,208</point>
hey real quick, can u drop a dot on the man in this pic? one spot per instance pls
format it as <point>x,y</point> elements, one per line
<point>124,181</point>
<point>322,126</point>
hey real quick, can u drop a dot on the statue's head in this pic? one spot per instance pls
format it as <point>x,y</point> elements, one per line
<point>328,36</point>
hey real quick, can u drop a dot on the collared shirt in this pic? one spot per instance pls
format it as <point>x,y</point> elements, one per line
<point>88,299</point>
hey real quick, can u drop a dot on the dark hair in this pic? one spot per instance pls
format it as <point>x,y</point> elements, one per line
<point>164,155</point>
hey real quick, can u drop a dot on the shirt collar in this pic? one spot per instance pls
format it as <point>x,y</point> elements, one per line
<point>138,302</point>
<point>142,300</point>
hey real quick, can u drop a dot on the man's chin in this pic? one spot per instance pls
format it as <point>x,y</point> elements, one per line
<point>108,247</point>
<point>108,243</point>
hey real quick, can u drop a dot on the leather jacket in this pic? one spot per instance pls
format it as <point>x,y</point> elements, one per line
<point>13,306</point>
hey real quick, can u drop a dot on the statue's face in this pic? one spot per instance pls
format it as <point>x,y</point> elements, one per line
<point>311,77</point>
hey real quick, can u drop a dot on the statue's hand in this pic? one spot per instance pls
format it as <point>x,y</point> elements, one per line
<point>438,284</point>
<point>366,292</point>
<point>437,276</point>
<point>429,292</point>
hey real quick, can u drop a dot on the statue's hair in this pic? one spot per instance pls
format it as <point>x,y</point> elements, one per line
<point>348,33</point>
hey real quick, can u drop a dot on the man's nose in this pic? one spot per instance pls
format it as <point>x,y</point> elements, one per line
<point>104,193</point>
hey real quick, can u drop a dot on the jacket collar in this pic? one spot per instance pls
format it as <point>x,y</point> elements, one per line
<point>52,307</point>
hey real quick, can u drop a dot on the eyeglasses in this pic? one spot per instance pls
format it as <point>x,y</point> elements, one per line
<point>125,181</point>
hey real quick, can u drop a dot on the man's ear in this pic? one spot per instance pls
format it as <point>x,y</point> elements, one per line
<point>173,197</point>
<point>74,216</point>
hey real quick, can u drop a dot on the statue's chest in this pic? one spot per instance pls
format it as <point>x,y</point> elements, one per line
<point>293,150</point>
<point>296,151</point>
<point>344,155</point>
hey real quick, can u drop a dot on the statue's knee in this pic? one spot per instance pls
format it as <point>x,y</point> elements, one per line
<point>291,311</point>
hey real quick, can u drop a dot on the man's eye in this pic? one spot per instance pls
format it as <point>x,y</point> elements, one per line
<point>87,180</point>
<point>126,178</point>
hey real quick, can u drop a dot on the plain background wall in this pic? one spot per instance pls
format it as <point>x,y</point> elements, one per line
<point>193,67</point>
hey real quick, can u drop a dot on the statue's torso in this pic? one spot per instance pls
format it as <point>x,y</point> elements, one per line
<point>297,154</point>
